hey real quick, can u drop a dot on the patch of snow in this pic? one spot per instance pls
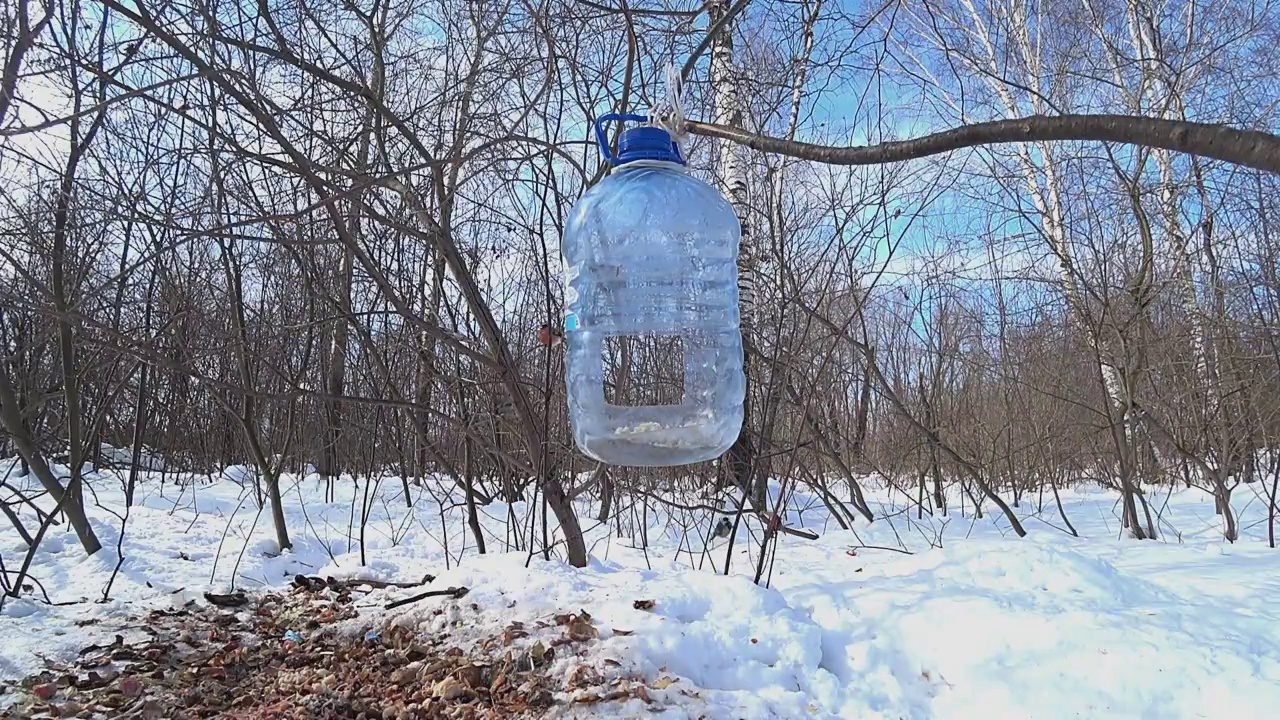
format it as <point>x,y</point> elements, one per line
<point>987,625</point>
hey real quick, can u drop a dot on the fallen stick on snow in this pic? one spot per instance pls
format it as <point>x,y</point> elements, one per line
<point>796,532</point>
<point>454,592</point>
<point>314,583</point>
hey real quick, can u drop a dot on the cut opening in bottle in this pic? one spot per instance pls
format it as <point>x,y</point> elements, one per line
<point>643,370</point>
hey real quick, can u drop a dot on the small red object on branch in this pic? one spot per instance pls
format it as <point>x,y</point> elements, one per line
<point>548,337</point>
<point>775,522</point>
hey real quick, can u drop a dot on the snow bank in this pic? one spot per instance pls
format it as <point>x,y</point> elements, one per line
<point>988,625</point>
<point>742,647</point>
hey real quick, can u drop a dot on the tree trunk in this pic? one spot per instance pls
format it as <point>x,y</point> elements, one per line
<point>1057,499</point>
<point>277,510</point>
<point>143,406</point>
<point>468,474</point>
<point>335,380</point>
<point>11,419</point>
<point>1222,499</point>
<point>606,492</point>
<point>139,430</point>
<point>62,303</point>
<point>728,102</point>
<point>1271,502</point>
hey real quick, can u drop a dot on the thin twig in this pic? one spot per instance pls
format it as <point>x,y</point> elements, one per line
<point>454,592</point>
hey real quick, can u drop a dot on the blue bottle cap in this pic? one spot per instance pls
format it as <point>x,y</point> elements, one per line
<point>647,143</point>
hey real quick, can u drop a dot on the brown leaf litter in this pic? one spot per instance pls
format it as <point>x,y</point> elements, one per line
<point>307,653</point>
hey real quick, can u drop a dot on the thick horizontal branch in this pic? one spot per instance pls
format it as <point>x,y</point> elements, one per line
<point>642,11</point>
<point>1248,148</point>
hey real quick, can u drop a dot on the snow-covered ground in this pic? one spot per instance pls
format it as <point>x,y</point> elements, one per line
<point>986,626</point>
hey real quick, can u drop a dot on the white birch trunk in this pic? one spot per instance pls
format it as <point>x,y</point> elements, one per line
<point>1047,198</point>
<point>728,110</point>
<point>1045,190</point>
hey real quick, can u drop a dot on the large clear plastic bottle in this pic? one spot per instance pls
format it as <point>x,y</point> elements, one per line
<point>650,259</point>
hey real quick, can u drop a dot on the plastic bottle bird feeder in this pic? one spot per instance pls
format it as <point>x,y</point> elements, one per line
<point>654,364</point>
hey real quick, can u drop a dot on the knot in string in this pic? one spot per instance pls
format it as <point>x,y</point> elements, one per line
<point>668,112</point>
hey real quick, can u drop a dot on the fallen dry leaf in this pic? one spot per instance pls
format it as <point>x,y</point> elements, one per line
<point>512,633</point>
<point>664,682</point>
<point>499,682</point>
<point>95,680</point>
<point>582,630</point>
<point>130,687</point>
<point>537,652</point>
<point>97,661</point>
<point>471,675</point>
<point>449,689</point>
<point>583,676</point>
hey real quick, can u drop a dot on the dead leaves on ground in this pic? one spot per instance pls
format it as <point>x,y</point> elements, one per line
<point>285,655</point>
<point>620,689</point>
<point>578,627</point>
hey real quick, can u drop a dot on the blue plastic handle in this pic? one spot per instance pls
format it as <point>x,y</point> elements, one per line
<point>603,141</point>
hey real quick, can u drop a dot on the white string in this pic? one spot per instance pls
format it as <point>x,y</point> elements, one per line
<point>668,112</point>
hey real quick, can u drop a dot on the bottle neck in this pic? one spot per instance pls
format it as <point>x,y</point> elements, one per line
<point>636,164</point>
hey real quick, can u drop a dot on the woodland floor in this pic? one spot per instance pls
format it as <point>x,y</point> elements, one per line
<point>241,657</point>
<point>913,616</point>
